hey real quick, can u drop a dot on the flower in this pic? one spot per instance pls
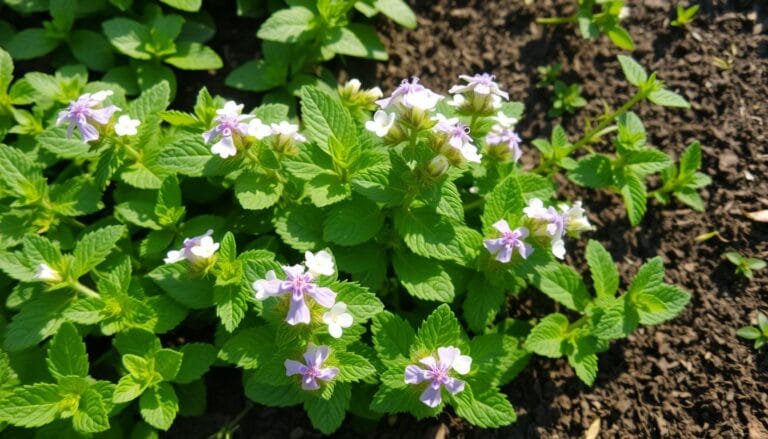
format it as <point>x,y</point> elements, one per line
<point>504,121</point>
<point>505,139</point>
<point>195,249</point>
<point>126,126</point>
<point>555,223</point>
<point>481,84</point>
<point>457,101</point>
<point>258,129</point>
<point>457,137</point>
<point>438,166</point>
<point>85,111</point>
<point>320,263</point>
<point>313,370</point>
<point>230,124</point>
<point>287,132</point>
<point>504,246</point>
<point>381,124</point>
<point>47,274</point>
<point>337,318</point>
<point>411,95</point>
<point>298,283</point>
<point>437,374</point>
<point>576,220</point>
<point>353,85</point>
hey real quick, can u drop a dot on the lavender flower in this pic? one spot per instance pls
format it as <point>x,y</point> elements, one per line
<point>556,224</point>
<point>198,248</point>
<point>458,138</point>
<point>313,370</point>
<point>230,124</point>
<point>504,246</point>
<point>481,84</point>
<point>437,374</point>
<point>84,112</point>
<point>298,283</point>
<point>505,142</point>
<point>411,95</point>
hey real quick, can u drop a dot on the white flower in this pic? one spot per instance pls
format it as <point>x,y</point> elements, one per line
<point>457,101</point>
<point>287,131</point>
<point>225,148</point>
<point>47,274</point>
<point>102,95</point>
<point>258,129</point>
<point>337,318</point>
<point>624,12</point>
<point>505,121</point>
<point>576,220</point>
<point>126,126</point>
<point>197,248</point>
<point>320,263</point>
<point>381,124</point>
<point>458,137</point>
<point>376,93</point>
<point>353,84</point>
<point>231,109</point>
<point>262,285</point>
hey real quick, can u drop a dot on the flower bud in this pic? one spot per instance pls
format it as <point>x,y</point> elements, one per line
<point>438,166</point>
<point>47,274</point>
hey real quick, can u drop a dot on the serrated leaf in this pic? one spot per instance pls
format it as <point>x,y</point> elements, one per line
<point>392,337</point>
<point>248,348</point>
<point>327,415</point>
<point>398,11</point>
<point>660,304</point>
<point>646,161</point>
<point>94,247</point>
<point>158,406</point>
<point>593,171</point>
<point>490,409</point>
<point>231,304</point>
<point>505,199</point>
<point>356,40</point>
<point>31,406</point>
<point>91,415</point>
<point>633,71</point>
<point>423,278</point>
<point>564,285</point>
<point>634,194</point>
<point>66,353</point>
<point>548,337</point>
<point>300,226</point>
<point>434,236</point>
<point>324,117</point>
<point>617,320</point>
<point>194,56</point>
<point>668,98</point>
<point>353,367</point>
<point>257,191</point>
<point>439,329</point>
<point>292,25</point>
<point>38,319</point>
<point>198,358</point>
<point>352,222</point>
<point>168,363</point>
<point>128,37</point>
<point>605,275</point>
<point>484,300</point>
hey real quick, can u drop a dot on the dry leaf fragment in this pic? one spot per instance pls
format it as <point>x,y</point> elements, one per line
<point>760,215</point>
<point>593,430</point>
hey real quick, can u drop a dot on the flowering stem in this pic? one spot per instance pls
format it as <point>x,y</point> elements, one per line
<point>557,20</point>
<point>80,288</point>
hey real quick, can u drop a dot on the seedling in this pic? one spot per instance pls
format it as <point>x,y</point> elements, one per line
<point>684,15</point>
<point>757,333</point>
<point>605,20</point>
<point>744,265</point>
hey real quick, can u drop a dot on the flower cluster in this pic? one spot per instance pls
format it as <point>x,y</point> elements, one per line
<point>549,222</point>
<point>503,142</point>
<point>300,284</point>
<point>481,94</point>
<point>438,374</point>
<point>233,129</point>
<point>197,249</point>
<point>85,112</point>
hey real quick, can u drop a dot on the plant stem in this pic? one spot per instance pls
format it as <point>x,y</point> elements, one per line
<point>582,143</point>
<point>557,20</point>
<point>80,288</point>
<point>474,204</point>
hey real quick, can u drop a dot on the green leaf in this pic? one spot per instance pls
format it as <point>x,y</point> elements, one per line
<point>300,226</point>
<point>257,191</point>
<point>620,37</point>
<point>91,415</point>
<point>325,117</point>
<point>585,367</point>
<point>439,329</point>
<point>361,303</point>
<point>605,275</point>
<point>422,277</point>
<point>128,37</point>
<point>352,222</point>
<point>484,300</point>
<point>127,389</point>
<point>617,320</point>
<point>273,396</point>
<point>660,304</point>
<point>490,409</point>
<point>327,189</point>
<point>38,319</point>
<point>159,405</point>
<point>31,406</point>
<point>646,161</point>
<point>198,358</point>
<point>633,71</point>
<point>749,332</point>
<point>231,304</point>
<point>292,25</point>
<point>392,337</point>
<point>434,236</point>
<point>6,70</point>
<point>593,171</point>
<point>548,337</point>
<point>691,198</point>
<point>19,174</point>
<point>398,11</point>
<point>194,56</point>
<point>184,5</point>
<point>356,40</point>
<point>690,160</point>
<point>353,367</point>
<point>668,98</point>
<point>31,43</point>
<point>506,199</point>
<point>564,285</point>
<point>634,194</point>
<point>168,363</point>
<point>66,353</point>
<point>258,75</point>
<point>76,196</point>
<point>327,415</point>
<point>94,247</point>
<point>190,156</point>
<point>648,277</point>
<point>248,348</point>
<point>175,280</point>
<point>92,49</point>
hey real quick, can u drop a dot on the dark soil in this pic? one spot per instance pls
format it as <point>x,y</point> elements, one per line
<point>690,378</point>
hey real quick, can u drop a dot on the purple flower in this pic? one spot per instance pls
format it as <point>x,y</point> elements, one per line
<point>506,138</point>
<point>411,95</point>
<point>84,112</point>
<point>437,374</point>
<point>298,283</point>
<point>504,246</point>
<point>313,370</point>
<point>458,137</point>
<point>481,84</point>
<point>230,123</point>
<point>556,224</point>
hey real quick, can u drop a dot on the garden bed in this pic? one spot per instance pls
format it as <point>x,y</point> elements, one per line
<point>688,378</point>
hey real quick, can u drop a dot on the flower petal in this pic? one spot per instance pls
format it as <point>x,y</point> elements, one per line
<point>324,296</point>
<point>462,364</point>
<point>415,375</point>
<point>293,367</point>
<point>298,311</point>
<point>431,396</point>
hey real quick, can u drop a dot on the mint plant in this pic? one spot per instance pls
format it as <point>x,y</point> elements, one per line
<point>757,333</point>
<point>304,251</point>
<point>745,265</point>
<point>684,15</point>
<point>593,22</point>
